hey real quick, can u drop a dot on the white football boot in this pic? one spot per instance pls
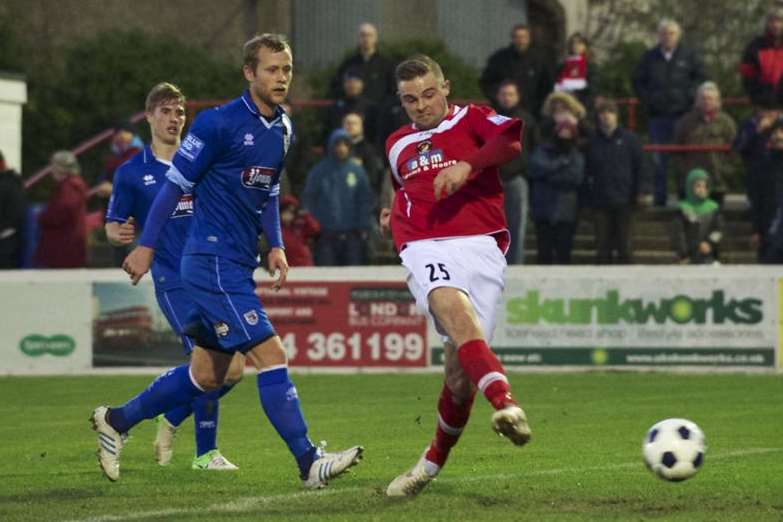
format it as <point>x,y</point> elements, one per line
<point>327,466</point>
<point>409,484</point>
<point>511,422</point>
<point>110,443</point>
<point>164,441</point>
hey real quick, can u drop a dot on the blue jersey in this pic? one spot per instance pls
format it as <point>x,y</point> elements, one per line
<point>136,183</point>
<point>231,160</point>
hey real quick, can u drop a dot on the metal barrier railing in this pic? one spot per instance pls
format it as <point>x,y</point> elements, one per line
<point>193,106</point>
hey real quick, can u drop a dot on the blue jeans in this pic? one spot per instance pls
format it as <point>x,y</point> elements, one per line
<point>661,133</point>
<point>516,203</point>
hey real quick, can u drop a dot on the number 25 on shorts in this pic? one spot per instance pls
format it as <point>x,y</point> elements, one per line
<point>442,272</point>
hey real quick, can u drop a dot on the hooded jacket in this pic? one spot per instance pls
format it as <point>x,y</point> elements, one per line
<point>337,192</point>
<point>697,221</point>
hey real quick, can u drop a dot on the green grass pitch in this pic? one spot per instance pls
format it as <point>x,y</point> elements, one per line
<point>583,464</point>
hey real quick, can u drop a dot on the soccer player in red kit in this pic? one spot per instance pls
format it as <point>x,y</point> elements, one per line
<point>449,226</point>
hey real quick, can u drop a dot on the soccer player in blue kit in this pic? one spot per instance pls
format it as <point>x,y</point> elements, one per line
<point>136,183</point>
<point>231,161</point>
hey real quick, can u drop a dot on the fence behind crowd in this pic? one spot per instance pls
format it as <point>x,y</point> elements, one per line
<point>583,318</point>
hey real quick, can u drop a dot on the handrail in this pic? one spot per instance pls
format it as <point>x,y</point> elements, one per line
<point>631,105</point>
<point>81,148</point>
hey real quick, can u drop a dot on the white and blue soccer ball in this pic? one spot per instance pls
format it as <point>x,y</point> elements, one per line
<point>674,449</point>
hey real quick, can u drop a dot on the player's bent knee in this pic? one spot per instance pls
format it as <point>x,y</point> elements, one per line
<point>268,353</point>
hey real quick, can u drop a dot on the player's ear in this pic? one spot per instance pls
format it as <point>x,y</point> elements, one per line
<point>446,87</point>
<point>249,73</point>
<point>148,116</point>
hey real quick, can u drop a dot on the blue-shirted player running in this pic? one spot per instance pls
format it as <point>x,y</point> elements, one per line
<point>231,161</point>
<point>136,183</point>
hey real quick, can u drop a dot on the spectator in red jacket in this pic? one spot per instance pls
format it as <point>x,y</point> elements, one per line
<point>298,227</point>
<point>762,61</point>
<point>63,232</point>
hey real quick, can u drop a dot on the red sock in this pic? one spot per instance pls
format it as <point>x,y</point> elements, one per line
<point>485,372</point>
<point>452,417</point>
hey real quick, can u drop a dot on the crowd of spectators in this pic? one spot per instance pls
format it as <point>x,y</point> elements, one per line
<point>579,163</point>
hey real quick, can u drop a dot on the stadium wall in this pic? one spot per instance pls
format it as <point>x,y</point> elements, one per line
<point>363,319</point>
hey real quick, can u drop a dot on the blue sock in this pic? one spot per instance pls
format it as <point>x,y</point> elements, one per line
<point>281,405</point>
<point>171,389</point>
<point>205,417</point>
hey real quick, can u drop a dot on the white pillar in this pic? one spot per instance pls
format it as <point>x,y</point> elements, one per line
<point>13,94</point>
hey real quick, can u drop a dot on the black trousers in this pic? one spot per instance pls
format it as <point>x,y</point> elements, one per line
<point>613,235</point>
<point>555,242</point>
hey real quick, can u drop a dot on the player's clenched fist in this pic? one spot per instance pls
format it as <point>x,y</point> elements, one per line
<point>138,263</point>
<point>451,179</point>
<point>278,265</point>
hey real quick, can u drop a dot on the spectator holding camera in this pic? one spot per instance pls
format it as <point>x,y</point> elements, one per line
<point>556,174</point>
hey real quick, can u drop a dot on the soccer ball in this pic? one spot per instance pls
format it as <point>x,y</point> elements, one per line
<point>674,449</point>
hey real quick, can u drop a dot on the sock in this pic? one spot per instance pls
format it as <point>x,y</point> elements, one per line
<point>485,372</point>
<point>281,404</point>
<point>205,418</point>
<point>178,415</point>
<point>452,417</point>
<point>171,389</point>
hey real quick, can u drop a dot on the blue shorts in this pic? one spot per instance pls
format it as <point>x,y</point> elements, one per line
<point>177,307</point>
<point>227,309</point>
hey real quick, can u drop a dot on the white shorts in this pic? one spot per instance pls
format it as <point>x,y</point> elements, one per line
<point>473,264</point>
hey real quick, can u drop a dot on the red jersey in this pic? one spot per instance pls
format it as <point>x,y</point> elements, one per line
<point>417,156</point>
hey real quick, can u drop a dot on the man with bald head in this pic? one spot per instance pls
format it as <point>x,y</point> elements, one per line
<point>376,71</point>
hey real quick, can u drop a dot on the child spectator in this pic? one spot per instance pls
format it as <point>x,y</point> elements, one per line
<point>698,226</point>
<point>338,194</point>
<point>556,174</point>
<point>577,75</point>
<point>298,228</point>
<point>615,173</point>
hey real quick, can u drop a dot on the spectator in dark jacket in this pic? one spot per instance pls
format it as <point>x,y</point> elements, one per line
<point>364,151</point>
<point>376,71</point>
<point>762,61</point>
<point>63,240</point>
<point>765,186</point>
<point>665,80</point>
<point>522,63</point>
<point>351,100</point>
<point>298,228</point>
<point>12,217</point>
<point>577,74</point>
<point>556,174</point>
<point>514,173</point>
<point>337,193</point>
<point>615,173</point>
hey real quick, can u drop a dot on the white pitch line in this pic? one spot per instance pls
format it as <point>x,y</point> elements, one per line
<point>247,504</point>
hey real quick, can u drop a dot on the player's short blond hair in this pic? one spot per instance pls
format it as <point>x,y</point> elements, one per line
<point>274,42</point>
<point>163,92</point>
<point>417,66</point>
